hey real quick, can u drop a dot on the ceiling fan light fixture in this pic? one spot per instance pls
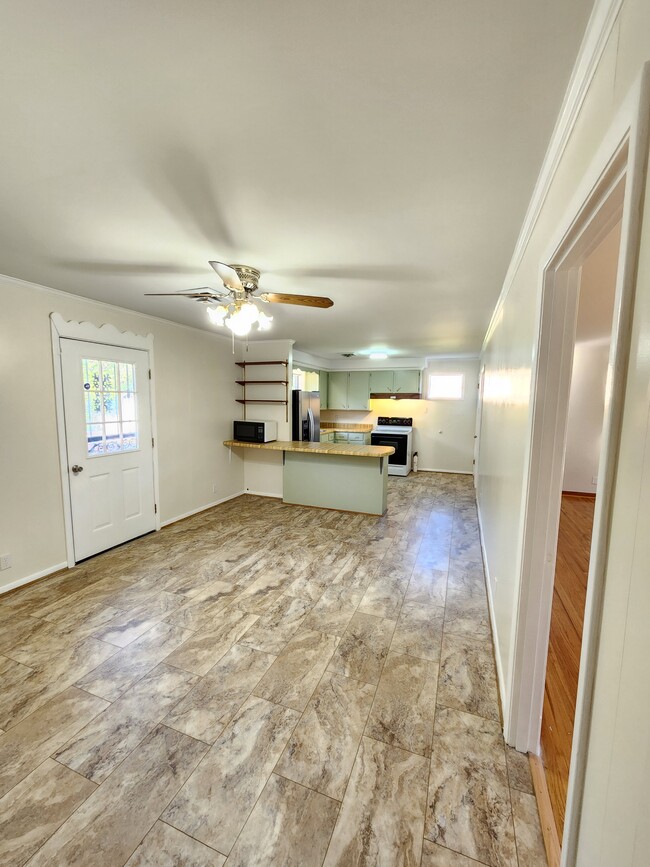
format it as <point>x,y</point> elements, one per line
<point>264,321</point>
<point>217,315</point>
<point>249,312</point>
<point>378,356</point>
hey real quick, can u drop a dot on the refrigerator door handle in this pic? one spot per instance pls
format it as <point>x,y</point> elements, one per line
<point>310,416</point>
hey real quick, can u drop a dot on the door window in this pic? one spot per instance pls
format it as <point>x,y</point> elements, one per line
<point>111,403</point>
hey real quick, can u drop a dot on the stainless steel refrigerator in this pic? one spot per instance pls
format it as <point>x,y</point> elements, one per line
<point>305,415</point>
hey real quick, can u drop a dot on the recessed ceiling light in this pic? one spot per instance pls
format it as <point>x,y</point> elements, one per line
<point>378,356</point>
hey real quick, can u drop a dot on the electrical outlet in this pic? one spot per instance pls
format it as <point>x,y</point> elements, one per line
<point>6,561</point>
<point>594,480</point>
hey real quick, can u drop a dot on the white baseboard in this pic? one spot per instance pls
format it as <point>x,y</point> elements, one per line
<point>29,578</point>
<point>488,582</point>
<point>201,509</point>
<point>455,472</point>
<point>262,494</point>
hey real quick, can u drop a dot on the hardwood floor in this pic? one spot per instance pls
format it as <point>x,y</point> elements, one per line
<point>567,616</point>
<point>263,684</point>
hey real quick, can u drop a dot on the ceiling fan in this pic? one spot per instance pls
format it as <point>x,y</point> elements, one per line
<point>235,307</point>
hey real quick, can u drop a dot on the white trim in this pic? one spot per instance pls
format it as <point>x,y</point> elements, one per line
<point>601,23</point>
<point>262,494</point>
<point>5,588</point>
<point>501,681</point>
<point>106,335</point>
<point>439,470</point>
<point>201,509</point>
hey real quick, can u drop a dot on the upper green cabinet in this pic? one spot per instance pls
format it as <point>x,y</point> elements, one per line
<point>395,382</point>
<point>352,389</point>
<point>358,389</point>
<point>337,390</point>
<point>381,381</point>
<point>407,381</point>
<point>348,389</point>
<point>323,377</point>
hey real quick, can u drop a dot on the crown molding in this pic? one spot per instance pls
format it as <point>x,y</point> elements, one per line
<point>599,28</point>
<point>19,283</point>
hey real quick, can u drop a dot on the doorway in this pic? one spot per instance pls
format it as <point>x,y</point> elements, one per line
<point>582,454</point>
<point>106,432</point>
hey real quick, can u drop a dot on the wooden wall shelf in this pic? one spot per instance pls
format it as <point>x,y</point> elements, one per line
<point>248,382</point>
<point>256,363</point>
<point>247,400</point>
<point>261,381</point>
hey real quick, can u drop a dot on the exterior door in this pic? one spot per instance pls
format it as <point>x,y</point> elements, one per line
<point>109,447</point>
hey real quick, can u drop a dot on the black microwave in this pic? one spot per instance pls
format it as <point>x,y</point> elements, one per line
<point>255,431</point>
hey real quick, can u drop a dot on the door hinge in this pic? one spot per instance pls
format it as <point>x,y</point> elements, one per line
<point>155,508</point>
<point>149,374</point>
<point>153,443</point>
<point>474,462</point>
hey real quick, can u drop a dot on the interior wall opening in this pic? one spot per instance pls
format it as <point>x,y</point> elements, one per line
<point>585,418</point>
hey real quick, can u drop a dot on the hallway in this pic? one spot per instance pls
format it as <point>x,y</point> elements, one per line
<point>265,684</point>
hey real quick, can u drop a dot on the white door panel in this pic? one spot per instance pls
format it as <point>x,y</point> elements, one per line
<point>109,446</point>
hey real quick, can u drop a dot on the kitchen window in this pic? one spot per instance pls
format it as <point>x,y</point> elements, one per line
<point>446,386</point>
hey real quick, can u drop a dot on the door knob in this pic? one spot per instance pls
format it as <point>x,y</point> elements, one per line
<point>76,469</point>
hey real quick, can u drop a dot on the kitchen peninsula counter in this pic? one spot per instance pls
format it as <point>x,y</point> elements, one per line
<point>324,448</point>
<point>342,476</point>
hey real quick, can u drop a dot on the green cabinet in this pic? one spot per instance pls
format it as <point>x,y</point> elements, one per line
<point>327,437</point>
<point>358,389</point>
<point>381,381</point>
<point>352,389</point>
<point>348,389</point>
<point>395,381</point>
<point>337,390</point>
<point>407,381</point>
<point>323,377</point>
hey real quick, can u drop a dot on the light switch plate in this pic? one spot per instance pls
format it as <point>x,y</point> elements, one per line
<point>6,561</point>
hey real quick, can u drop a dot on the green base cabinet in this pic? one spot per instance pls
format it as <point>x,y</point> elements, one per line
<point>342,482</point>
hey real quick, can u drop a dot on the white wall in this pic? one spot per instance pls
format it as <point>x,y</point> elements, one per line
<point>195,396</point>
<point>614,819</point>
<point>443,433</point>
<point>585,421</point>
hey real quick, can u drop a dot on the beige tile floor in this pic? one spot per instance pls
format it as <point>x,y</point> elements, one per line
<point>263,684</point>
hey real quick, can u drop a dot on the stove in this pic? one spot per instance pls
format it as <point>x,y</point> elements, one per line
<point>397,432</point>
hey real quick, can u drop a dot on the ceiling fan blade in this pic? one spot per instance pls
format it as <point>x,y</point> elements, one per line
<point>301,300</point>
<point>229,276</point>
<point>204,292</point>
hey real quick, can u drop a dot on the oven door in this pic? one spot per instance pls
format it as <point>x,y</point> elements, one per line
<point>398,441</point>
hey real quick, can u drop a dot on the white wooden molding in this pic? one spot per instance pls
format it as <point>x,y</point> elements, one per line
<point>493,623</point>
<point>202,509</point>
<point>106,334</point>
<point>27,579</point>
<point>601,23</point>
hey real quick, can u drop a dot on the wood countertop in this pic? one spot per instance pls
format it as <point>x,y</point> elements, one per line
<point>330,426</point>
<point>349,449</point>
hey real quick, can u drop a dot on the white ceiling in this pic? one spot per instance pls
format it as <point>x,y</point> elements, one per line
<point>396,142</point>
